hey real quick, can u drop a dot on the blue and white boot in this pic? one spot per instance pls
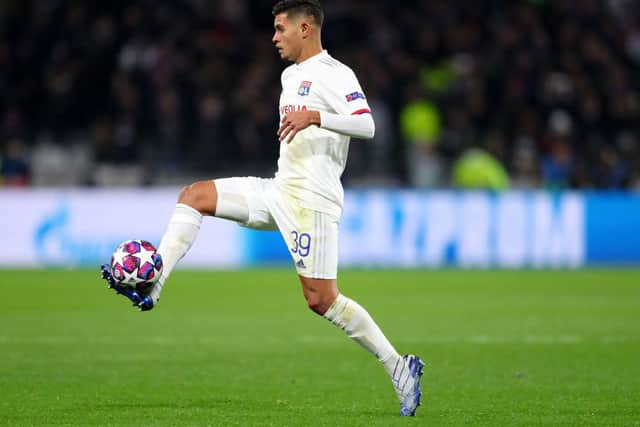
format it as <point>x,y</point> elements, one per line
<point>142,302</point>
<point>406,381</point>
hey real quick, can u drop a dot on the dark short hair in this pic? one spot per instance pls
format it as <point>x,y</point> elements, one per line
<point>300,7</point>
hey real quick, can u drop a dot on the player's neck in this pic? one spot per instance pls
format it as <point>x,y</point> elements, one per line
<point>312,49</point>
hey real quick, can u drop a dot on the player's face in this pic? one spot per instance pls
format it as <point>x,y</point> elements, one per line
<point>287,37</point>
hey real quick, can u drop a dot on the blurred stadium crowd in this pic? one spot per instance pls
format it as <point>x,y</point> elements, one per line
<point>538,93</point>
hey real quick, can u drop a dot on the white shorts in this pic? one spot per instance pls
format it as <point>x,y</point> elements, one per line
<point>311,236</point>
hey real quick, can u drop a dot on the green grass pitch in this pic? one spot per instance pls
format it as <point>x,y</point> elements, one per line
<point>240,348</point>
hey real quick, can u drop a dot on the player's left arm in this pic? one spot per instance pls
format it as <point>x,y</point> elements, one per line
<point>357,125</point>
<point>352,118</point>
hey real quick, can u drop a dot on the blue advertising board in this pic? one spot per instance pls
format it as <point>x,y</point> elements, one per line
<point>379,228</point>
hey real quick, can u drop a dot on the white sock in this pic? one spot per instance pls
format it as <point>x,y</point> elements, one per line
<point>181,232</point>
<point>349,316</point>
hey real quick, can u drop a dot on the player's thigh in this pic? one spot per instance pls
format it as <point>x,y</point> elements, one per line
<point>241,199</point>
<point>312,240</point>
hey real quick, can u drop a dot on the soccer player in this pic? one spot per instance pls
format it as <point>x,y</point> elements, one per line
<point>321,107</point>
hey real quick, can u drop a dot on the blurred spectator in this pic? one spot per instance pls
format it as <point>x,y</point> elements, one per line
<point>477,169</point>
<point>192,87</point>
<point>421,128</point>
<point>14,166</point>
<point>558,165</point>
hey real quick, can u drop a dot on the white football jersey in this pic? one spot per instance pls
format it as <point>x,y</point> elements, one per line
<point>310,166</point>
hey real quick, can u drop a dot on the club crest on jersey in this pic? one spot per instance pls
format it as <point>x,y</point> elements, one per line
<point>355,95</point>
<point>304,88</point>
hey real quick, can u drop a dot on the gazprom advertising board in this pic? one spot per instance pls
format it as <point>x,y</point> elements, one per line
<point>466,229</point>
<point>378,229</point>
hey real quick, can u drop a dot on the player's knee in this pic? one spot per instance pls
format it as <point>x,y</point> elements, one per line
<point>201,196</point>
<point>182,197</point>
<point>318,304</point>
<point>189,196</point>
<point>317,307</point>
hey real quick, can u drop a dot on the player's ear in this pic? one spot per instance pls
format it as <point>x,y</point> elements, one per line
<point>305,29</point>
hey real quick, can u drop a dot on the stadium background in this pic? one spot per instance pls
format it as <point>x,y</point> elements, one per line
<point>521,96</point>
<point>486,226</point>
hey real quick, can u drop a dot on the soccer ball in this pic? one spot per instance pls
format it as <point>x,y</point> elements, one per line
<point>137,264</point>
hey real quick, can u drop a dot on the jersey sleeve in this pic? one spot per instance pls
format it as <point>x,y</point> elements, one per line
<point>357,125</point>
<point>343,93</point>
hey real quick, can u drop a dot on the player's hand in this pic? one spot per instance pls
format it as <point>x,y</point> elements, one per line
<point>294,122</point>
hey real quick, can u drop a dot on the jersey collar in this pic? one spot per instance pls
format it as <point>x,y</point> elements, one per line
<point>314,58</point>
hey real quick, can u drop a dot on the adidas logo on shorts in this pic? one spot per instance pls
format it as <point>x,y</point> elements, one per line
<point>300,264</point>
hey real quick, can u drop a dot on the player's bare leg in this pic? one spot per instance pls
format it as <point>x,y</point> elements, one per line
<point>194,202</point>
<point>324,298</point>
<point>201,196</point>
<point>319,293</point>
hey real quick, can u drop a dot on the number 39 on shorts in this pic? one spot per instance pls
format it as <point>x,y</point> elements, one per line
<point>302,243</point>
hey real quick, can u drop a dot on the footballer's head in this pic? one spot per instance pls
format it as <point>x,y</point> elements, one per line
<point>297,25</point>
